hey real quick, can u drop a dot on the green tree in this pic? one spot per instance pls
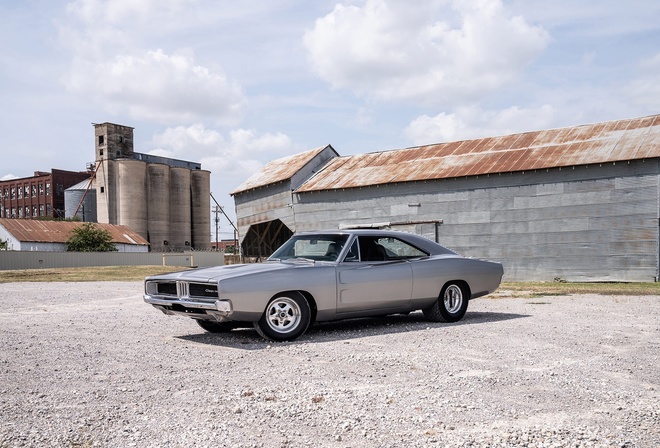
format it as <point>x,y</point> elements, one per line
<point>90,238</point>
<point>4,244</point>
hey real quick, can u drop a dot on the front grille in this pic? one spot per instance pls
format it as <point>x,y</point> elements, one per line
<point>203,290</point>
<point>167,289</point>
<point>183,290</point>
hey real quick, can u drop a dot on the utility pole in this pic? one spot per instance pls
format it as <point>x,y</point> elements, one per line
<point>216,209</point>
<point>237,249</point>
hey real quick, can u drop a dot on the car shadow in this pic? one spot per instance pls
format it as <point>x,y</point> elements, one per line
<point>249,339</point>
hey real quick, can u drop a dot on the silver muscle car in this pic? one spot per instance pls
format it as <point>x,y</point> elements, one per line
<point>329,275</point>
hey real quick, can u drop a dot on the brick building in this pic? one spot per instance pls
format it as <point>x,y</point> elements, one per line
<point>41,195</point>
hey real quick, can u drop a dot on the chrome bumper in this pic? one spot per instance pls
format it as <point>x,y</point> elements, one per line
<point>217,309</point>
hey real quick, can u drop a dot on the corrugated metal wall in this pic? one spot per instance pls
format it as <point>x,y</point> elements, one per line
<point>587,223</point>
<point>10,260</point>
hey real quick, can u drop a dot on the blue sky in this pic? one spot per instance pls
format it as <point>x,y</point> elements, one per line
<point>234,85</point>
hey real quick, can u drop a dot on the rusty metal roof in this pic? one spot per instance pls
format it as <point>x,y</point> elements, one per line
<point>278,170</point>
<point>611,141</point>
<point>35,230</point>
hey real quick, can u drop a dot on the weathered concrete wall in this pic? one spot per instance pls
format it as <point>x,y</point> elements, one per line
<point>589,223</point>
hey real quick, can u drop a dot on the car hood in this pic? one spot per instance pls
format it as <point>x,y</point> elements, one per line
<point>216,273</point>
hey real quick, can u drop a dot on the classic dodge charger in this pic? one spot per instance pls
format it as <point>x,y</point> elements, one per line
<point>329,275</point>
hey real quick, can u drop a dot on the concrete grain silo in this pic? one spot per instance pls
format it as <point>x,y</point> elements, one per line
<point>201,204</point>
<point>180,211</point>
<point>132,198</point>
<point>166,201</point>
<point>158,205</point>
<point>106,188</point>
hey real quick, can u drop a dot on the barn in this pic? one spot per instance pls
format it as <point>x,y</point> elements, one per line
<point>579,203</point>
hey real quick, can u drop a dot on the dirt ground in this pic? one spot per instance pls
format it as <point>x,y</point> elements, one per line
<point>90,364</point>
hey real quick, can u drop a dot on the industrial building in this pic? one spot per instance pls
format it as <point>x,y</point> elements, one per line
<point>579,203</point>
<point>166,201</point>
<point>38,196</point>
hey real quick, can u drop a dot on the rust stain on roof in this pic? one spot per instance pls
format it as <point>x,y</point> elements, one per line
<point>278,170</point>
<point>613,141</point>
<point>34,230</point>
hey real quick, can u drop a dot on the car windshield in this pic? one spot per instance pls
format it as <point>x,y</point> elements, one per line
<point>312,247</point>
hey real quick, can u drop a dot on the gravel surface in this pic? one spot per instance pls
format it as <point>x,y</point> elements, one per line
<point>90,364</point>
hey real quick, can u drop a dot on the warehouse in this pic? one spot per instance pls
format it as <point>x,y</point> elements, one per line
<point>576,204</point>
<point>52,236</point>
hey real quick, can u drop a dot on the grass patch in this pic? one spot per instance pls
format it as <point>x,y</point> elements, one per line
<point>544,289</point>
<point>88,274</point>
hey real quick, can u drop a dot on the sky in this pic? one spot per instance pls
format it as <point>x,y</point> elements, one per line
<point>234,85</point>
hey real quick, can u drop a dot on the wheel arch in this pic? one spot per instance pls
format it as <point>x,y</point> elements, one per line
<point>462,283</point>
<point>310,299</point>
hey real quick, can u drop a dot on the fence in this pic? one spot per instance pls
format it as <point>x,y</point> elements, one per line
<point>10,260</point>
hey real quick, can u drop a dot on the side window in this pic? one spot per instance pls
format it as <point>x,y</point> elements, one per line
<point>353,254</point>
<point>387,248</point>
<point>396,248</point>
<point>370,250</point>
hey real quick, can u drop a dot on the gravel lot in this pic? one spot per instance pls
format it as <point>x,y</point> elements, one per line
<point>89,364</point>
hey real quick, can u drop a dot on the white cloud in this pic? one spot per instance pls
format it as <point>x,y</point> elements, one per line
<point>468,123</point>
<point>437,52</point>
<point>232,159</point>
<point>111,65</point>
<point>8,177</point>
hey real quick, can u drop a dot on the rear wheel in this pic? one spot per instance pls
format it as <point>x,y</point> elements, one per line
<point>286,317</point>
<point>451,305</point>
<point>216,327</point>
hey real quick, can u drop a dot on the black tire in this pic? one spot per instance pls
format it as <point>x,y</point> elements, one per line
<point>286,317</point>
<point>216,327</point>
<point>451,305</point>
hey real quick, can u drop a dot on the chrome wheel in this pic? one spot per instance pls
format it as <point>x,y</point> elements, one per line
<point>283,315</point>
<point>453,299</point>
<point>451,304</point>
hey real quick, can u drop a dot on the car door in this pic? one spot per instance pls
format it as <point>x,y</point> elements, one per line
<point>368,279</point>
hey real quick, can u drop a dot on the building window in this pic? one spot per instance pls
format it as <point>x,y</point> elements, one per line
<point>6,193</point>
<point>101,140</point>
<point>34,211</point>
<point>20,212</point>
<point>27,211</point>
<point>34,191</point>
<point>27,191</point>
<point>41,189</point>
<point>60,189</point>
<point>47,209</point>
<point>41,210</point>
<point>47,188</point>
<point>13,212</point>
<point>102,189</point>
<point>13,192</point>
<point>20,192</point>
<point>101,151</point>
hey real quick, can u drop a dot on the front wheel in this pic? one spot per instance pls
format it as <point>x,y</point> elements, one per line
<point>451,305</point>
<point>286,317</point>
